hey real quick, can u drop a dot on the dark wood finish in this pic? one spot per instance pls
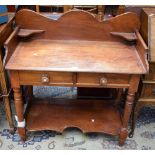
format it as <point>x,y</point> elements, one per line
<point>102,80</point>
<point>88,92</point>
<point>98,11</point>
<point>128,108</point>
<point>5,31</point>
<point>76,50</point>
<point>73,25</point>
<point>20,114</point>
<point>67,79</point>
<point>94,58</point>
<point>74,113</point>
<point>53,78</point>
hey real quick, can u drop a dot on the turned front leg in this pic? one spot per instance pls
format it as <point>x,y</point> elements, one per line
<point>18,99</point>
<point>20,112</point>
<point>126,116</point>
<point>134,82</point>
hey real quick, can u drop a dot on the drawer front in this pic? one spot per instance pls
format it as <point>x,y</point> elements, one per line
<point>102,80</point>
<point>148,91</point>
<point>46,78</point>
<point>76,79</point>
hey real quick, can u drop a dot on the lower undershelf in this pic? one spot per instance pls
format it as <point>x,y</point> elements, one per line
<point>87,115</point>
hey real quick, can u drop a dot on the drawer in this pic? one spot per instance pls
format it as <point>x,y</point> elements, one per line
<point>46,78</point>
<point>70,79</point>
<point>148,91</point>
<point>102,80</point>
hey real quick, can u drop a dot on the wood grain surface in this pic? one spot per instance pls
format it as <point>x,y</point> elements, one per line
<point>74,113</point>
<point>75,25</point>
<point>76,56</point>
<point>76,50</point>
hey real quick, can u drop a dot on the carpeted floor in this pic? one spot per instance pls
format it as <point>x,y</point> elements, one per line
<point>72,138</point>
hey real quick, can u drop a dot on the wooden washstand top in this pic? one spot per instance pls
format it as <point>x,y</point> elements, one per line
<point>76,42</point>
<point>79,56</point>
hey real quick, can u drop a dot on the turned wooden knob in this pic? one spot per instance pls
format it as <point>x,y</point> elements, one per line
<point>103,81</point>
<point>45,78</point>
